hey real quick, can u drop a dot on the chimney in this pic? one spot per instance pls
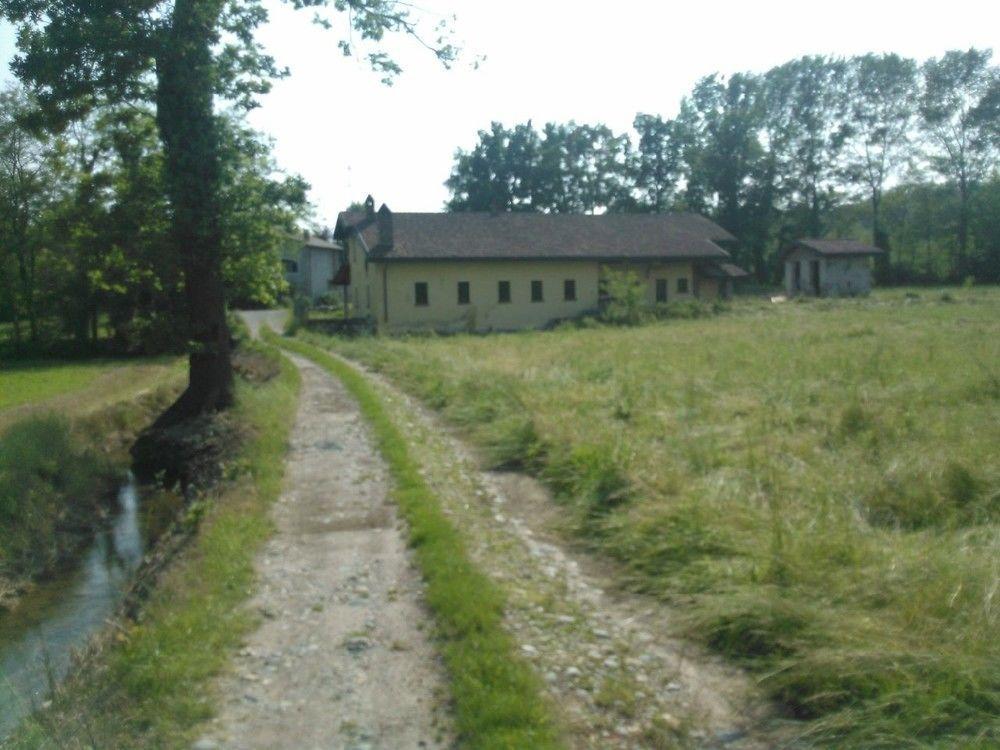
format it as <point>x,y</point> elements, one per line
<point>384,220</point>
<point>370,206</point>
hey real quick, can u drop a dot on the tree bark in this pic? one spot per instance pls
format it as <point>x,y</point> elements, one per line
<point>189,131</point>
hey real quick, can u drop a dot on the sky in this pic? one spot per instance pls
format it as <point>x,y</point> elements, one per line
<point>348,135</point>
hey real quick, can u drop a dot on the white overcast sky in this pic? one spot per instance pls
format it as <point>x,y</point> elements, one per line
<point>336,125</point>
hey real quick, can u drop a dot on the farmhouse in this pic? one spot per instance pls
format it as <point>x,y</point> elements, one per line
<point>508,271</point>
<point>310,263</point>
<point>837,268</point>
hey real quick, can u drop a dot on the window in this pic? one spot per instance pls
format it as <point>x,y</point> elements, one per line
<point>463,292</point>
<point>503,291</point>
<point>569,290</point>
<point>290,265</point>
<point>420,294</point>
<point>536,291</point>
<point>661,290</point>
<point>682,286</point>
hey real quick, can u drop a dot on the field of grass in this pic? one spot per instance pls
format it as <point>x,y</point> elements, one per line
<point>150,687</point>
<point>75,387</point>
<point>815,484</point>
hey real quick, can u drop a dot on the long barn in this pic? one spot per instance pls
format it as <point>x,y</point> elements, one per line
<point>510,271</point>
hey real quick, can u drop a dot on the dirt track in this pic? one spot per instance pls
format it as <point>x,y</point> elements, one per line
<point>341,658</point>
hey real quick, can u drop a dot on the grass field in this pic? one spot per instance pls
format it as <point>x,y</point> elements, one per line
<point>816,486</point>
<point>76,387</point>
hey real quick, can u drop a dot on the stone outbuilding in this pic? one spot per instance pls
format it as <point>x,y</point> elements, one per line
<point>829,268</point>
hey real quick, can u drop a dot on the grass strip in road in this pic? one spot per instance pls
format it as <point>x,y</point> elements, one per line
<point>497,698</point>
<point>150,688</point>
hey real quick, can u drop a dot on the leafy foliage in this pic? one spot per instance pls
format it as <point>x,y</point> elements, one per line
<point>782,155</point>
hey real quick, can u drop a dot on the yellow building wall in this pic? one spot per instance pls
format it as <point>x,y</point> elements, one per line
<point>484,312</point>
<point>386,293</point>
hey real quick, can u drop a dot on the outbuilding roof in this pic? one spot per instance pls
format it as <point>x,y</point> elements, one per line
<point>534,236</point>
<point>839,247</point>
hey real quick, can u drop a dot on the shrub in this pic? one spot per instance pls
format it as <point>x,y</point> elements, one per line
<point>626,297</point>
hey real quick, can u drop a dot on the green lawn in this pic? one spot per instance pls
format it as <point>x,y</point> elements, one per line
<point>77,387</point>
<point>27,382</point>
<point>815,485</point>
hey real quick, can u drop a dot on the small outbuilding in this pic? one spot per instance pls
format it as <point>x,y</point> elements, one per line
<point>829,268</point>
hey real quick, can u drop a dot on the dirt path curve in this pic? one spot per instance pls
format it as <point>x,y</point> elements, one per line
<point>608,657</point>
<point>341,658</point>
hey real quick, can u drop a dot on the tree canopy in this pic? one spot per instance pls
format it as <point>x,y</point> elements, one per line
<point>815,146</point>
<point>179,57</point>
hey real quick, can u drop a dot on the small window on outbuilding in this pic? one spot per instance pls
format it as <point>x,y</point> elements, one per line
<point>682,286</point>
<point>290,265</point>
<point>661,290</point>
<point>569,290</point>
<point>463,292</point>
<point>503,291</point>
<point>536,291</point>
<point>420,294</point>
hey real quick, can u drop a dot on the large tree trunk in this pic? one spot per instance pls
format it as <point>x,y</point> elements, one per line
<point>189,130</point>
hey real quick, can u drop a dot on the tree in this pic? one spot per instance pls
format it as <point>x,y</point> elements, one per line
<point>499,174</point>
<point>179,55</point>
<point>566,168</point>
<point>260,210</point>
<point>719,126</point>
<point>657,164</point>
<point>882,91</point>
<point>957,116</point>
<point>26,190</point>
<point>804,104</point>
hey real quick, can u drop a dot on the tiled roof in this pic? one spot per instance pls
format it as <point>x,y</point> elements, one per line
<point>488,236</point>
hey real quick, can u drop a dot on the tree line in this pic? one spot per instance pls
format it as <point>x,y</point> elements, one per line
<point>85,246</point>
<point>882,146</point>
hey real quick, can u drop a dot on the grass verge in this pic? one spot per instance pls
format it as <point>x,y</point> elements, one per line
<point>497,698</point>
<point>149,686</point>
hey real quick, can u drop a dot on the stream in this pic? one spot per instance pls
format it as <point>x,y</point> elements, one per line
<point>38,639</point>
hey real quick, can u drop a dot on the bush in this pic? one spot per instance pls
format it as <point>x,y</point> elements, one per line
<point>626,298</point>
